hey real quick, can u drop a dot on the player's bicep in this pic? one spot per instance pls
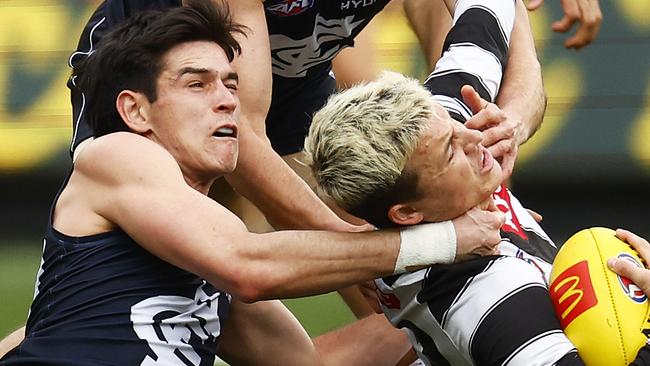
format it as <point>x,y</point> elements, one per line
<point>138,187</point>
<point>185,228</point>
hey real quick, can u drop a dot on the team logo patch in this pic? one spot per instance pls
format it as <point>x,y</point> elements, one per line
<point>572,293</point>
<point>285,8</point>
<point>631,290</point>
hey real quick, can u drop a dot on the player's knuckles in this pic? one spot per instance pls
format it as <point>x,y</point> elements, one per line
<point>476,122</point>
<point>501,148</point>
<point>494,113</point>
<point>592,21</point>
<point>500,219</point>
<point>509,130</point>
<point>572,13</point>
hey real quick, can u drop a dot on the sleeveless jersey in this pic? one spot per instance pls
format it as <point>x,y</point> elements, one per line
<point>103,299</point>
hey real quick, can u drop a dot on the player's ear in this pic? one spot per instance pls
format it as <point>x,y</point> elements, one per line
<point>404,214</point>
<point>133,107</point>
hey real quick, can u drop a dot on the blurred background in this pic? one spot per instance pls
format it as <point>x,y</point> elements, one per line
<point>589,165</point>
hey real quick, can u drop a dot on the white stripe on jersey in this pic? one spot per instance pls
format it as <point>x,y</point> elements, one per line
<point>453,105</point>
<point>502,10</point>
<point>505,278</point>
<point>541,351</point>
<point>476,61</point>
<point>480,63</point>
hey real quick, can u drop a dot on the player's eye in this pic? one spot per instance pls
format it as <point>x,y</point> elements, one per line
<point>196,85</point>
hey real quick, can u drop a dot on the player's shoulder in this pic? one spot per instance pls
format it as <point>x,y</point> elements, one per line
<point>125,154</point>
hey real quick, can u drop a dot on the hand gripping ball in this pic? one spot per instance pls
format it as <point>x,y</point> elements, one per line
<point>603,314</point>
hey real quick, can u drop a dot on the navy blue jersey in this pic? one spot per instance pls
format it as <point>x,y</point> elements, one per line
<point>104,300</point>
<point>305,36</point>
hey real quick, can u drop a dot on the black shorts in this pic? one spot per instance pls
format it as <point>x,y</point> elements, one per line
<point>295,100</point>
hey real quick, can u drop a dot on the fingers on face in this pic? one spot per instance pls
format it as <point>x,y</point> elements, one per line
<point>502,148</point>
<point>490,115</point>
<point>508,164</point>
<point>499,133</point>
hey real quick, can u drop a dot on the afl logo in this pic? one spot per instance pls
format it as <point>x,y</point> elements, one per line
<point>631,290</point>
<point>285,8</point>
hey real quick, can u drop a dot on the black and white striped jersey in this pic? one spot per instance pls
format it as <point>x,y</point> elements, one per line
<point>475,53</point>
<point>494,310</point>
<point>490,311</point>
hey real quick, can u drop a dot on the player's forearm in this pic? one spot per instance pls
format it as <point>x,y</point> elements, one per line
<point>261,175</point>
<point>430,21</point>
<point>370,341</point>
<point>11,341</point>
<point>300,263</point>
<point>522,91</point>
<point>288,264</point>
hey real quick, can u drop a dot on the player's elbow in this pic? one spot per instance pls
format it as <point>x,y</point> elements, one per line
<point>237,278</point>
<point>253,287</point>
<point>250,279</point>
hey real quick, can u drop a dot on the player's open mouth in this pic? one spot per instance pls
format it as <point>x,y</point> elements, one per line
<point>487,161</point>
<point>226,131</point>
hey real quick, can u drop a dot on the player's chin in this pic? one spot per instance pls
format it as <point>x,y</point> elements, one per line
<point>226,163</point>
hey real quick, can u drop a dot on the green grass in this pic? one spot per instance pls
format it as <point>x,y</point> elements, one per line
<point>18,265</point>
<point>19,261</point>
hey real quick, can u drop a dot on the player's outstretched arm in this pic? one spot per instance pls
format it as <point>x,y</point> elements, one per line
<point>585,12</point>
<point>151,201</point>
<point>430,21</point>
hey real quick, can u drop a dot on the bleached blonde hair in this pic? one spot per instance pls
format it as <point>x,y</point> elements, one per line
<point>360,141</point>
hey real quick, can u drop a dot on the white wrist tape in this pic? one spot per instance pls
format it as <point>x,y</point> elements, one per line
<point>426,244</point>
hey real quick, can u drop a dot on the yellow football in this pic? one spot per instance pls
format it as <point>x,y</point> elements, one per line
<point>603,314</point>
